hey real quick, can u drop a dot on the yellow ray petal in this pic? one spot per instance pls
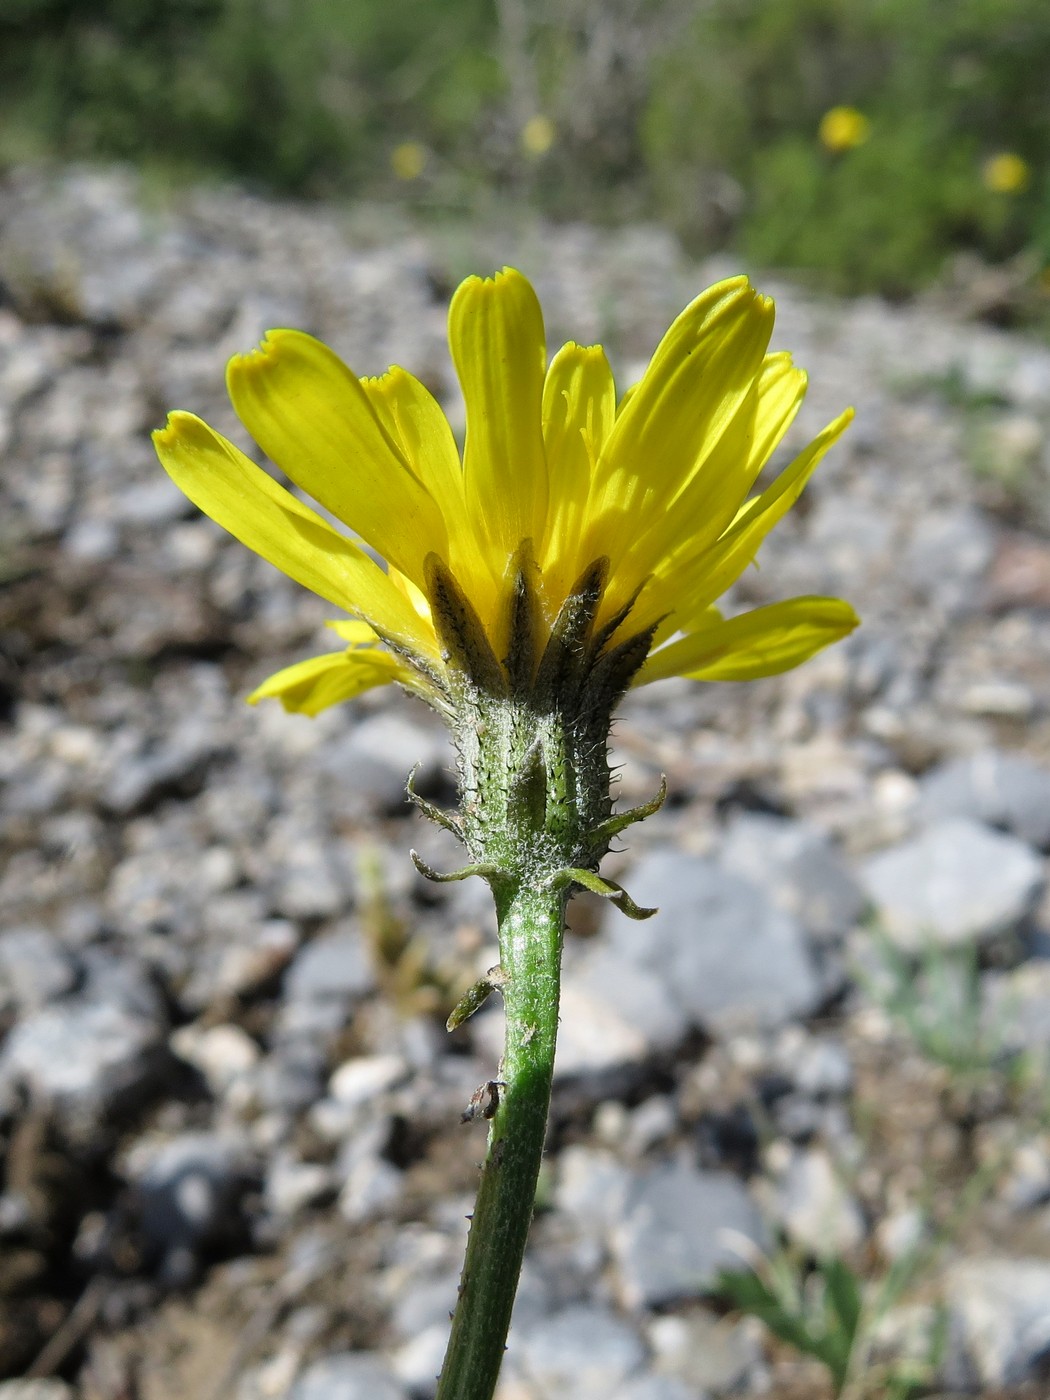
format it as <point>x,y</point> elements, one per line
<point>311,416</point>
<point>672,624</point>
<point>688,583</point>
<point>354,631</point>
<point>695,383</point>
<point>417,424</point>
<point>710,498</point>
<point>248,503</point>
<point>579,408</point>
<point>759,643</point>
<point>495,332</point>
<point>313,685</point>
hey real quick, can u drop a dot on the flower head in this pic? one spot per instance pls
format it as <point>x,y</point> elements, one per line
<point>537,135</point>
<point>579,545</point>
<point>842,128</point>
<point>408,160</point>
<point>1006,173</point>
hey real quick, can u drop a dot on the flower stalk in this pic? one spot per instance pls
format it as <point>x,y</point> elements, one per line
<point>531,733</point>
<point>578,545</point>
<point>531,922</point>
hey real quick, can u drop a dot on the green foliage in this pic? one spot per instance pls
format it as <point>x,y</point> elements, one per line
<point>297,94</point>
<point>874,219</point>
<point>704,116</point>
<point>822,1321</point>
<point>401,960</point>
<point>935,995</point>
<point>828,1312</point>
<point>944,85</point>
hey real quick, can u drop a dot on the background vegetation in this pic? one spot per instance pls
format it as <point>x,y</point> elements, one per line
<point>704,116</point>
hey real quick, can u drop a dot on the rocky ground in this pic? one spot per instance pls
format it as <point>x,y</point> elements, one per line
<point>230,1148</point>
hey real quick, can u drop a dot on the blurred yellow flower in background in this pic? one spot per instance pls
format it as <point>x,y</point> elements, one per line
<point>537,135</point>
<point>408,160</point>
<point>842,128</point>
<point>1006,173</point>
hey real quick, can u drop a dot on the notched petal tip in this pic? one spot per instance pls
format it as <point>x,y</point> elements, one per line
<point>165,437</point>
<point>505,280</point>
<point>265,357</point>
<point>388,381</point>
<point>177,424</point>
<point>260,356</point>
<point>183,433</point>
<point>510,274</point>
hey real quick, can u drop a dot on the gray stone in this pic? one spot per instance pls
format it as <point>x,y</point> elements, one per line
<point>582,1351</point>
<point>999,1315</point>
<point>1026,1182</point>
<point>419,1360</point>
<point>799,867</point>
<point>174,765</point>
<point>198,310</point>
<point>371,1186</point>
<point>655,1120</point>
<point>699,1348</point>
<point>150,503</point>
<point>821,1067</point>
<point>656,1388</point>
<point>366,1078</point>
<point>335,965</point>
<point>1016,1008</point>
<point>814,1206</point>
<point>613,1013</point>
<point>292,1185</point>
<point>309,882</point>
<point>292,1077</point>
<point>34,969</point>
<point>727,956</point>
<point>1001,789</point>
<point>997,698</point>
<point>348,1375</point>
<point>955,882</point>
<point>848,542</point>
<point>93,1053</point>
<point>35,1390</point>
<point>900,1232</point>
<point>948,555</point>
<point>592,1188</point>
<point>223,1054</point>
<point>678,1232</point>
<point>424,1302</point>
<point>380,751</point>
<point>267,949</point>
<point>908,1337</point>
<point>189,1191</point>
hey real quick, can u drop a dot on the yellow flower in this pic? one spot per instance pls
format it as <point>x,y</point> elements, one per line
<point>642,508</point>
<point>408,159</point>
<point>537,135</point>
<point>842,128</point>
<point>1006,173</point>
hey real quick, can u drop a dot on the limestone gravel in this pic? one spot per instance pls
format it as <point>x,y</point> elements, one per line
<point>207,910</point>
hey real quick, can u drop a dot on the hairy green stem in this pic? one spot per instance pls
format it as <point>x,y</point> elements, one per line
<point>531,731</point>
<point>530,926</point>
